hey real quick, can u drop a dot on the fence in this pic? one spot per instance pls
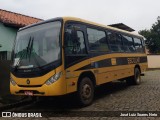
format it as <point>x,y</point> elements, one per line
<point>5,61</point>
<point>5,55</point>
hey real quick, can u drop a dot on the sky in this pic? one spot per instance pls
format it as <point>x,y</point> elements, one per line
<point>137,14</point>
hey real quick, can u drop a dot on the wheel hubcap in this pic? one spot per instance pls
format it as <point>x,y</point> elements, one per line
<point>86,91</point>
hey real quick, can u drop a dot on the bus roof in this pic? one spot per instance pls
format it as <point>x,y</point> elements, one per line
<point>83,21</point>
<point>100,25</point>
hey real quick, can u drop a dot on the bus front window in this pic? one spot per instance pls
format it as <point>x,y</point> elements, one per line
<point>37,46</point>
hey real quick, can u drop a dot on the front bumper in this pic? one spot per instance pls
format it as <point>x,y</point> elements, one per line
<point>55,89</point>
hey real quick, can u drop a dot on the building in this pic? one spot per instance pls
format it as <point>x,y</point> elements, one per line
<point>10,22</point>
<point>122,26</point>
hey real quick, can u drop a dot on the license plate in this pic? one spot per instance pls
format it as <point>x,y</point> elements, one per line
<point>30,93</point>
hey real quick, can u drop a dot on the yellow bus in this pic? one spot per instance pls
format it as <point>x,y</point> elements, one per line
<point>71,55</point>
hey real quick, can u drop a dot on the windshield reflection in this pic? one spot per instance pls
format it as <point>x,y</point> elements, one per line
<point>37,46</point>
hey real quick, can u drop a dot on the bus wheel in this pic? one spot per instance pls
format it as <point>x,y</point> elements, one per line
<point>135,79</point>
<point>85,92</point>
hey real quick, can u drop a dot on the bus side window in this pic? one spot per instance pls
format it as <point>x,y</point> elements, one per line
<point>143,45</point>
<point>81,43</point>
<point>119,42</point>
<point>128,43</point>
<point>97,40</point>
<point>138,45</point>
<point>68,42</point>
<point>113,42</point>
<point>74,42</point>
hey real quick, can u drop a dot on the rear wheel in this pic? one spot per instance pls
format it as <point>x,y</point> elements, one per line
<point>85,91</point>
<point>135,79</point>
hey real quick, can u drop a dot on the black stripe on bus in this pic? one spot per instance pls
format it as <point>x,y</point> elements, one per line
<point>119,61</point>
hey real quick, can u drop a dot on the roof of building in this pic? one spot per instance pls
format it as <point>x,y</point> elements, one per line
<point>16,20</point>
<point>122,26</point>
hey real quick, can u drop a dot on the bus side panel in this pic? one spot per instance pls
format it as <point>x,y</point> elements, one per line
<point>114,73</point>
<point>73,77</point>
<point>143,67</point>
<point>71,84</point>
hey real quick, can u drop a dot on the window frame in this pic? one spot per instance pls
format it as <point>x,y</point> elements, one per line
<point>132,37</point>
<point>81,26</point>
<point>83,41</point>
<point>142,46</point>
<point>99,29</point>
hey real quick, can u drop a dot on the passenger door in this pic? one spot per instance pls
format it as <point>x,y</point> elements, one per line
<point>75,45</point>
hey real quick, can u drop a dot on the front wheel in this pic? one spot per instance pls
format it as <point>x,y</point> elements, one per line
<point>135,79</point>
<point>85,92</point>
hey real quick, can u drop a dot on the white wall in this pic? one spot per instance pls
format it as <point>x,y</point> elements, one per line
<point>153,61</point>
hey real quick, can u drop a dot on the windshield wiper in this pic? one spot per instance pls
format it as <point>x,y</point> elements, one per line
<point>30,49</point>
<point>23,54</point>
<point>28,46</point>
<point>29,52</point>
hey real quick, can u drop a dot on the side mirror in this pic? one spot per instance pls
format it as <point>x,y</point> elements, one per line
<point>0,45</point>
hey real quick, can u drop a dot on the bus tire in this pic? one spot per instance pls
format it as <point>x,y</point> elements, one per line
<point>135,79</point>
<point>85,93</point>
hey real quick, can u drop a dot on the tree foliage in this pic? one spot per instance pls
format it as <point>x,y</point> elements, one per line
<point>152,37</point>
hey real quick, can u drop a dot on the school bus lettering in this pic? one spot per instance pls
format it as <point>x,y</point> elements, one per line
<point>133,60</point>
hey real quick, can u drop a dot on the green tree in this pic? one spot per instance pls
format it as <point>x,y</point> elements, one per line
<point>152,37</point>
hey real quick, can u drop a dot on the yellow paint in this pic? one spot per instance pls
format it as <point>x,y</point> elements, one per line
<point>57,88</point>
<point>113,61</point>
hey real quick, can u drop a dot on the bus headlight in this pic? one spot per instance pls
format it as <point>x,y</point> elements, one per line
<point>13,82</point>
<point>54,78</point>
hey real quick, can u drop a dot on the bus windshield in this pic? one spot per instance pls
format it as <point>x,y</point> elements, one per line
<point>37,46</point>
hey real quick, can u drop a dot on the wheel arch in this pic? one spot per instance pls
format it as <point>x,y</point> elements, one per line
<point>138,66</point>
<point>89,74</point>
